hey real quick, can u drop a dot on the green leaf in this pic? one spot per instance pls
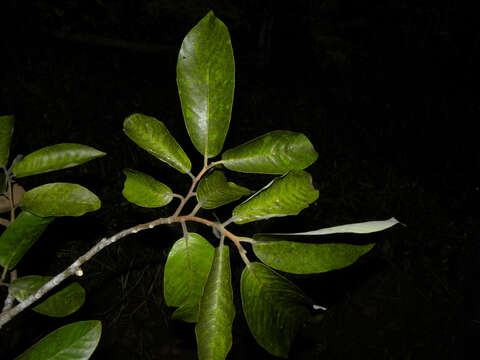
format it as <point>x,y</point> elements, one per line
<point>143,190</point>
<point>274,308</point>
<point>306,258</point>
<point>74,341</point>
<point>286,195</point>
<point>357,228</point>
<point>185,275</point>
<point>19,236</point>
<point>274,153</point>
<point>63,303</point>
<point>6,131</point>
<point>60,199</point>
<point>206,80</point>
<point>153,136</point>
<point>55,157</point>
<point>214,191</point>
<point>214,327</point>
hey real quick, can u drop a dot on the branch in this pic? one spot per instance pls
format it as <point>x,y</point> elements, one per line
<point>74,268</point>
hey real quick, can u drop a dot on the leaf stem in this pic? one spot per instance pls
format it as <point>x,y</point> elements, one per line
<point>235,239</point>
<point>191,193</point>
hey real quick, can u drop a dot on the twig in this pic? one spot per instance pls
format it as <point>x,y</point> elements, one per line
<point>74,268</point>
<point>4,222</point>
<point>223,231</point>
<point>10,299</point>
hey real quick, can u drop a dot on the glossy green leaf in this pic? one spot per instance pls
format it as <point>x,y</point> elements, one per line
<point>20,235</point>
<point>60,199</point>
<point>274,308</point>
<point>55,157</point>
<point>274,153</point>
<point>356,228</point>
<point>214,326</point>
<point>185,275</point>
<point>206,80</point>
<point>153,136</point>
<point>286,195</point>
<point>63,303</point>
<point>6,131</point>
<point>214,190</point>
<point>73,341</point>
<point>306,258</point>
<point>143,190</point>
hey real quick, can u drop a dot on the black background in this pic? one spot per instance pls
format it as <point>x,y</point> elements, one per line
<point>386,92</point>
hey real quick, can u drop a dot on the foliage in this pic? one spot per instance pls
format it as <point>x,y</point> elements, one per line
<point>197,275</point>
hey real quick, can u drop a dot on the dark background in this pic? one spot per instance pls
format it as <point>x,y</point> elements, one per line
<point>383,89</point>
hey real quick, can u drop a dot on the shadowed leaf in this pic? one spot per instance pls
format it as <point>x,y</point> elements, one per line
<point>20,235</point>
<point>63,303</point>
<point>74,341</point>
<point>6,131</point>
<point>275,309</point>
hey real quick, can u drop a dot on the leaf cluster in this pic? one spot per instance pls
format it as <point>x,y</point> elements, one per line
<point>197,276</point>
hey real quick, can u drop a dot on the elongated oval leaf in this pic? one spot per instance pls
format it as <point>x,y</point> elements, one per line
<point>306,258</point>
<point>74,341</point>
<point>185,274</point>
<point>286,195</point>
<point>20,235</point>
<point>357,228</point>
<point>143,190</point>
<point>206,80</point>
<point>274,153</point>
<point>214,327</point>
<point>60,199</point>
<point>153,136</point>
<point>6,131</point>
<point>55,157</point>
<point>63,303</point>
<point>274,308</point>
<point>214,190</point>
